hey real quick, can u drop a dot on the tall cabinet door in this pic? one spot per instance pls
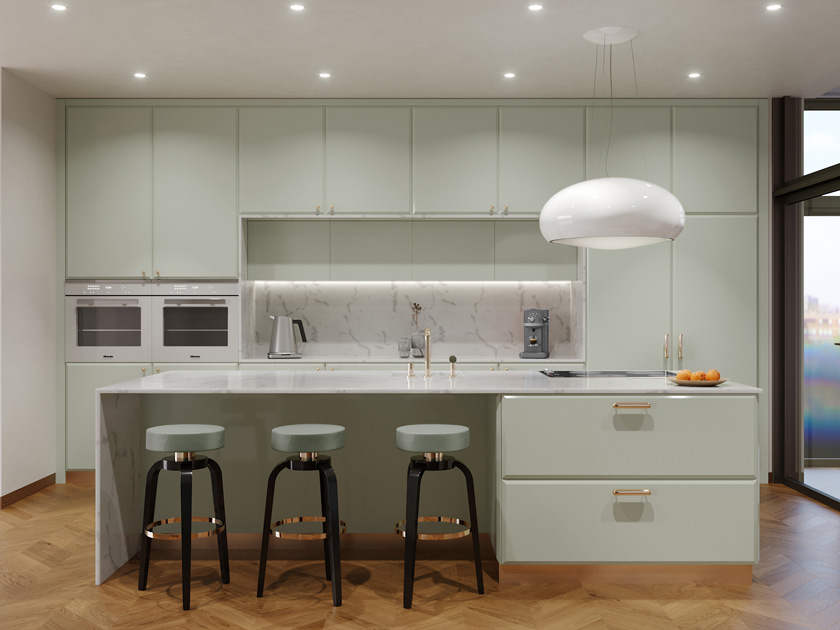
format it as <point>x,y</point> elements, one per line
<point>715,295</point>
<point>369,159</point>
<point>109,192</point>
<point>455,159</point>
<point>541,151</point>
<point>195,217</point>
<point>80,405</point>
<point>281,160</point>
<point>628,308</point>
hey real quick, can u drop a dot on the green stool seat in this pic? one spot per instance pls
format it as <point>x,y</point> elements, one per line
<point>185,438</point>
<point>433,438</point>
<point>307,438</point>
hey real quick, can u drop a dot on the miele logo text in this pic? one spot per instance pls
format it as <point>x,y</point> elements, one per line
<point>195,356</point>
<point>107,356</point>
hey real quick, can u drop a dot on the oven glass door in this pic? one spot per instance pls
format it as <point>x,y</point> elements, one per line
<point>107,329</point>
<point>196,329</point>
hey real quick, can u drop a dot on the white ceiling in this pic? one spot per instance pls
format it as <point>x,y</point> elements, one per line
<point>417,48</point>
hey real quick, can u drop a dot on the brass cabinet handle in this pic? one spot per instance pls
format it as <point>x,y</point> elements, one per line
<point>492,369</point>
<point>143,273</point>
<point>667,340</point>
<point>318,209</point>
<point>506,209</point>
<point>332,209</point>
<point>143,370</point>
<point>157,370</point>
<point>332,369</point>
<point>632,493</point>
<point>317,369</point>
<point>157,274</point>
<point>680,352</point>
<point>632,405</point>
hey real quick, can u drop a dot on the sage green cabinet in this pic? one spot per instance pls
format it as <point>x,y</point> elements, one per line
<point>541,151</point>
<point>630,142</point>
<point>368,160</point>
<point>109,192</point>
<point>453,250</point>
<point>82,380</point>
<point>716,296</point>
<point>703,286</point>
<point>281,160</point>
<point>521,253</point>
<point>716,158</point>
<point>288,250</point>
<point>455,159</point>
<point>195,218</point>
<point>370,250</point>
<point>628,306</point>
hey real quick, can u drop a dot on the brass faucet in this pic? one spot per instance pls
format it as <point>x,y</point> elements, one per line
<point>428,372</point>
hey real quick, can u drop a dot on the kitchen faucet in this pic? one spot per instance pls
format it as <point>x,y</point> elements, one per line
<point>428,334</point>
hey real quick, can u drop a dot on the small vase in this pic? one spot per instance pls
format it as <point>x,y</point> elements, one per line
<point>418,343</point>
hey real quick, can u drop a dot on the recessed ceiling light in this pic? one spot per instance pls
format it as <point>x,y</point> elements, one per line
<point>694,75</point>
<point>774,7</point>
<point>535,7</point>
<point>297,7</point>
<point>58,7</point>
<point>139,75</point>
<point>325,75</point>
<point>509,75</point>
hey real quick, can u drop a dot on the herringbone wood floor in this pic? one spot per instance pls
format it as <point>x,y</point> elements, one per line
<point>46,583</point>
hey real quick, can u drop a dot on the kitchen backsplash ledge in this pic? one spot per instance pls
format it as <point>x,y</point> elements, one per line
<point>364,319</point>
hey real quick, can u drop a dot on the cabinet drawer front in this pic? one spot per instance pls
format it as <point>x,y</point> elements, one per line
<point>585,436</point>
<point>583,522</point>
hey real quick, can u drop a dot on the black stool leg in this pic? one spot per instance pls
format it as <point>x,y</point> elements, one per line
<point>333,534</point>
<point>186,533</point>
<point>479,577</point>
<point>219,509</point>
<point>148,517</point>
<point>266,532</point>
<point>325,512</point>
<point>412,509</point>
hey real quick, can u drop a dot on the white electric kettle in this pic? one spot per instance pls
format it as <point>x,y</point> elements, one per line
<point>283,344</point>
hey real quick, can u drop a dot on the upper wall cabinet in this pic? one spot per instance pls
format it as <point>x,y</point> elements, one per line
<point>716,158</point>
<point>541,151</point>
<point>630,142</point>
<point>281,160</point>
<point>455,162</point>
<point>368,160</point>
<point>109,192</point>
<point>195,219</point>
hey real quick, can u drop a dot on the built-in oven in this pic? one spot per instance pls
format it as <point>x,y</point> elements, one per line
<point>195,321</point>
<point>107,321</point>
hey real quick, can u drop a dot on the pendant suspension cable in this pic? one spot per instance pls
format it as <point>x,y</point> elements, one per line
<point>638,111</point>
<point>609,132</point>
<point>593,119</point>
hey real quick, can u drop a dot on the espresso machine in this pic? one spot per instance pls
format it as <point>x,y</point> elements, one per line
<point>536,334</point>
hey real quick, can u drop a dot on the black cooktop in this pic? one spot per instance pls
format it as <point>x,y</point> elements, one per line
<point>609,373</point>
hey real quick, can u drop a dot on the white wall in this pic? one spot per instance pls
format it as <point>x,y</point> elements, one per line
<point>27,284</point>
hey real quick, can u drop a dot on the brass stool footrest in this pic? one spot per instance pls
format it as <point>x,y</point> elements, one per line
<point>304,519</point>
<point>399,528</point>
<point>220,527</point>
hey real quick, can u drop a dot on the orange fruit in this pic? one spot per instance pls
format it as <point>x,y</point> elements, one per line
<point>712,375</point>
<point>684,375</point>
<point>698,376</point>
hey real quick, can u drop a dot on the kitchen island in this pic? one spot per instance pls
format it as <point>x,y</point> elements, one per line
<point>571,472</point>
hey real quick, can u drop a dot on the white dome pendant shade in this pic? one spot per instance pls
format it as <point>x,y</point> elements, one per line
<point>612,213</point>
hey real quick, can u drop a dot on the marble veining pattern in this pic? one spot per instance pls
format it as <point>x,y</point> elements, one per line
<point>365,319</point>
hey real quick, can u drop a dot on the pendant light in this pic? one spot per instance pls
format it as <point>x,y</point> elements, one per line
<point>612,212</point>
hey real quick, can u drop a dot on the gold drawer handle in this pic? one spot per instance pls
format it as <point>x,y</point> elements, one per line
<point>631,493</point>
<point>631,405</point>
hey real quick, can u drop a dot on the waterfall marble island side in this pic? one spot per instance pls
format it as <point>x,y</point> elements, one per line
<point>555,449</point>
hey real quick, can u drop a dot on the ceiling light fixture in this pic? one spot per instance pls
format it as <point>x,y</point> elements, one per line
<point>535,7</point>
<point>612,212</point>
<point>139,75</point>
<point>297,7</point>
<point>58,7</point>
<point>325,75</point>
<point>509,75</point>
<point>694,75</point>
<point>774,7</point>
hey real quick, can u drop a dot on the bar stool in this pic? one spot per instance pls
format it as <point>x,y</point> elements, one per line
<point>433,440</point>
<point>308,440</point>
<point>184,440</point>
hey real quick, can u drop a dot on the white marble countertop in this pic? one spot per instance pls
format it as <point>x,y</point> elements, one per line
<point>396,382</point>
<point>539,364</point>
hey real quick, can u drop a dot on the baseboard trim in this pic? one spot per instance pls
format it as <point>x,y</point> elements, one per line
<point>81,477</point>
<point>627,573</point>
<point>26,491</point>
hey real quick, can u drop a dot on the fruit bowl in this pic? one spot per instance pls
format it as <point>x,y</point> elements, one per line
<point>674,380</point>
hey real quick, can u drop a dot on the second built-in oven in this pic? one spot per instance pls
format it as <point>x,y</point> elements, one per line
<point>195,322</point>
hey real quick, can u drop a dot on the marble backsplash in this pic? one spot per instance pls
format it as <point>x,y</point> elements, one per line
<point>480,320</point>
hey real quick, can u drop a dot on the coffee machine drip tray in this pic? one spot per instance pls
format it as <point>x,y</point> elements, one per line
<point>609,373</point>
